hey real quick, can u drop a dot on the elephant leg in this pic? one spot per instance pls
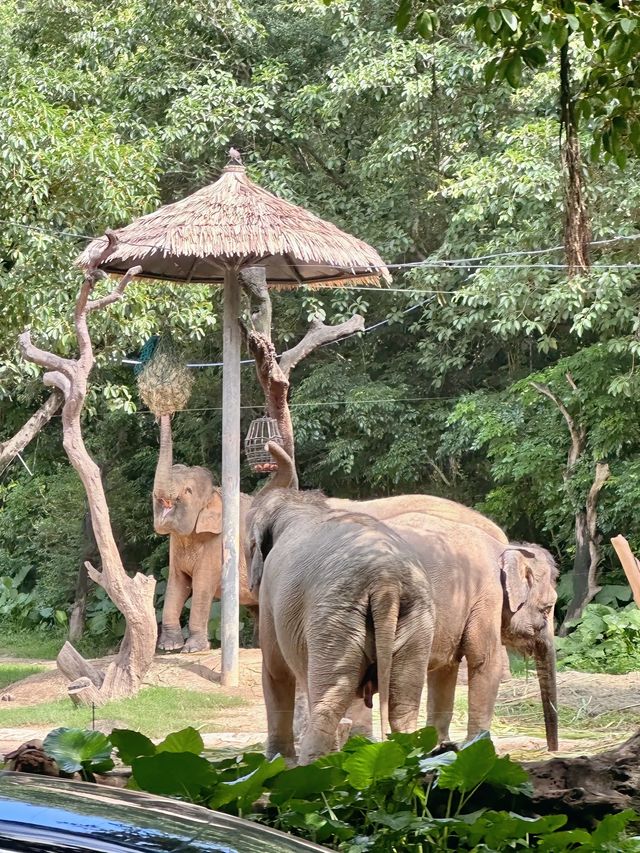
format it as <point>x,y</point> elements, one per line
<point>178,590</point>
<point>331,690</point>
<point>361,719</point>
<point>441,691</point>
<point>301,713</point>
<point>485,670</point>
<point>408,672</point>
<point>279,689</point>
<point>201,598</point>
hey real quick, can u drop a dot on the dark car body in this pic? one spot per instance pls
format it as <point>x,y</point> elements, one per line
<point>40,814</point>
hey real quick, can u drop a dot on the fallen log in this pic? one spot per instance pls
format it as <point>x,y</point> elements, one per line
<point>588,787</point>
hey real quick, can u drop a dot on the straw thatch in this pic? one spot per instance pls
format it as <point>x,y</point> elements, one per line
<point>235,221</point>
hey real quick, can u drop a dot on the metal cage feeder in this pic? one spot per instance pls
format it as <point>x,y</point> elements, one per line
<point>260,431</point>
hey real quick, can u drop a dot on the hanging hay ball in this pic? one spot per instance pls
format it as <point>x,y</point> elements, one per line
<point>165,384</point>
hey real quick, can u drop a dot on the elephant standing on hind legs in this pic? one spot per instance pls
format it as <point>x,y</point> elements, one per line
<point>187,506</point>
<point>344,605</point>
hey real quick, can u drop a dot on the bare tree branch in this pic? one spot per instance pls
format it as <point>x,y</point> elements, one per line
<point>133,596</point>
<point>577,432</point>
<point>9,449</point>
<point>43,358</point>
<point>253,280</point>
<point>318,335</point>
<point>117,293</point>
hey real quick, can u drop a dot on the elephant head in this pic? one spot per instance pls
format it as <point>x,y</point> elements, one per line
<point>185,500</point>
<point>529,575</point>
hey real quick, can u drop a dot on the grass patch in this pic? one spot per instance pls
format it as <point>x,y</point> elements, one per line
<point>574,723</point>
<point>10,672</point>
<point>45,644</point>
<point>156,711</point>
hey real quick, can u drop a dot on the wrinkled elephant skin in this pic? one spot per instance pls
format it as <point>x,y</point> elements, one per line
<point>339,593</point>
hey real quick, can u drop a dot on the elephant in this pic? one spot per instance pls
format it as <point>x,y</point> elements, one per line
<point>486,593</point>
<point>345,605</point>
<point>188,507</point>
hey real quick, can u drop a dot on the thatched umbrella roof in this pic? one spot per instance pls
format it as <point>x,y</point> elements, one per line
<point>195,239</point>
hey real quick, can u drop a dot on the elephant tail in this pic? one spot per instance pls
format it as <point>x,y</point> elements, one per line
<point>385,607</point>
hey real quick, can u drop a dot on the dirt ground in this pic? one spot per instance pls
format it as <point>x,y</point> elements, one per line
<point>586,695</point>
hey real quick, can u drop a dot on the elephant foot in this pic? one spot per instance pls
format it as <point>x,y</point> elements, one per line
<point>196,643</point>
<point>171,639</point>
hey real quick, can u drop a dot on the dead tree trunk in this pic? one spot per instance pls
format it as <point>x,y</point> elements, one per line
<point>587,556</point>
<point>17,443</point>
<point>273,373</point>
<point>132,595</point>
<point>587,788</point>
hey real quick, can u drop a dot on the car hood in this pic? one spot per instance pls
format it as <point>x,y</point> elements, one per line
<point>47,812</point>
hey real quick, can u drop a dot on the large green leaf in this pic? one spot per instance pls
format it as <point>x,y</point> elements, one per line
<point>77,749</point>
<point>186,740</point>
<point>173,774</point>
<point>372,762</point>
<point>303,781</point>
<point>248,788</point>
<point>131,744</point>
<point>472,765</point>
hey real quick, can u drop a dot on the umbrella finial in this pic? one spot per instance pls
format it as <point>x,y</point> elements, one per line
<point>235,156</point>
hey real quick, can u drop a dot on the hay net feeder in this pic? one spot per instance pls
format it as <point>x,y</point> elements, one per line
<point>261,430</point>
<point>164,380</point>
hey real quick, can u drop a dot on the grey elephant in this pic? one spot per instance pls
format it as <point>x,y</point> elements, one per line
<point>187,506</point>
<point>344,604</point>
<point>487,593</point>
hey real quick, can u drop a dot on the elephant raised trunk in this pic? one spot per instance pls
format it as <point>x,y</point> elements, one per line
<point>285,477</point>
<point>545,658</point>
<point>162,483</point>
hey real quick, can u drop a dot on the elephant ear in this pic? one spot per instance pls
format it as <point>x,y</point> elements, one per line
<point>516,576</point>
<point>210,517</point>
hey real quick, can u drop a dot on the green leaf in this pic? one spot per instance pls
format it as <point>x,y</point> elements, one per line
<point>510,19</point>
<point>403,15</point>
<point>424,24</point>
<point>618,48</point>
<point>513,71</point>
<point>131,744</point>
<point>186,740</point>
<point>301,782</point>
<point>248,788</point>
<point>612,826</point>
<point>424,739</point>
<point>76,749</point>
<point>435,762</point>
<point>628,25</point>
<point>173,774</point>
<point>621,158</point>
<point>508,774</point>
<point>535,56</point>
<point>372,762</point>
<point>472,765</point>
<point>490,70</point>
<point>495,20</point>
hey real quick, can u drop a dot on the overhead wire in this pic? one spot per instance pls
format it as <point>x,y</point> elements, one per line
<point>442,263</point>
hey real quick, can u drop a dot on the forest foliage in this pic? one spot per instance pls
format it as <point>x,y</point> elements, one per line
<point>400,137</point>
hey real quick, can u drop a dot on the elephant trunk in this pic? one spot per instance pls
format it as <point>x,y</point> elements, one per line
<point>545,657</point>
<point>285,477</point>
<point>162,480</point>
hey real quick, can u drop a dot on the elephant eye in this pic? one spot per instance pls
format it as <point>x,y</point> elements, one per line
<point>188,490</point>
<point>546,610</point>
